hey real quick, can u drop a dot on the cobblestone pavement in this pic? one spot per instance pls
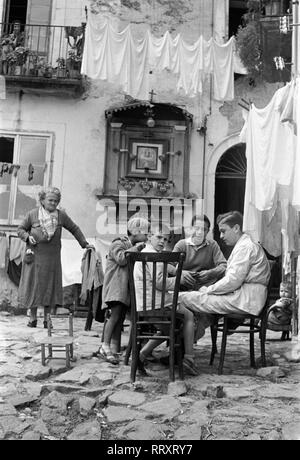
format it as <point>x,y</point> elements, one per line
<point>95,400</point>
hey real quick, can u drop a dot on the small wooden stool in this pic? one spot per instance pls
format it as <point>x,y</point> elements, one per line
<point>58,343</point>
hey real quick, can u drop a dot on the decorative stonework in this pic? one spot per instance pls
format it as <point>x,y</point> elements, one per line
<point>146,185</point>
<point>163,187</point>
<point>127,184</point>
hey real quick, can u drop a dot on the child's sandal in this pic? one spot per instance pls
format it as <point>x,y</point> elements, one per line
<point>107,356</point>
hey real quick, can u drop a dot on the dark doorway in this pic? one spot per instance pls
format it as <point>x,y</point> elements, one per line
<point>230,186</point>
<point>16,10</point>
<point>237,8</point>
<point>6,149</point>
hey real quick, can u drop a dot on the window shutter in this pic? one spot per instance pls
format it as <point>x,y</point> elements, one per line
<point>39,12</point>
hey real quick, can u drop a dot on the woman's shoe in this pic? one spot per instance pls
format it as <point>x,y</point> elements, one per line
<point>189,367</point>
<point>32,323</point>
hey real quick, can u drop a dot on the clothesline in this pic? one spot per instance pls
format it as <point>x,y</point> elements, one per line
<point>12,249</point>
<point>119,58</point>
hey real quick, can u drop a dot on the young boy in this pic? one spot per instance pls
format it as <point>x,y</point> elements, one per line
<point>156,243</point>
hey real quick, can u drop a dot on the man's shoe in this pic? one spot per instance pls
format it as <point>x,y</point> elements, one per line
<point>141,368</point>
<point>234,324</point>
<point>165,360</point>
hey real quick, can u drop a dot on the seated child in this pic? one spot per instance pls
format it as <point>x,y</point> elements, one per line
<point>156,242</point>
<point>282,309</point>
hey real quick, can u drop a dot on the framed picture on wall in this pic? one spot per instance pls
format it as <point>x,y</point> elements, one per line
<point>147,158</point>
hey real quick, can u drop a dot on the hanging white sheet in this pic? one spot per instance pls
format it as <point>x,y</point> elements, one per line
<point>120,58</point>
<point>272,174</point>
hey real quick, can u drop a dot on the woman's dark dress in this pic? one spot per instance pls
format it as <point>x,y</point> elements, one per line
<point>41,280</point>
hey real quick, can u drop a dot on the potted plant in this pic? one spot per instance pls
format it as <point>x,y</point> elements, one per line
<point>11,60</point>
<point>33,59</point>
<point>39,65</point>
<point>17,58</point>
<point>61,68</point>
<point>248,47</point>
<point>48,70</point>
<point>74,64</point>
<point>6,48</point>
<point>21,57</point>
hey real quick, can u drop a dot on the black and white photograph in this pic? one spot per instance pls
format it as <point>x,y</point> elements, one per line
<point>149,222</point>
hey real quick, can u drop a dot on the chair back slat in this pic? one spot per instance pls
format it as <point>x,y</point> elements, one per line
<point>146,323</point>
<point>144,286</point>
<point>154,285</point>
<point>154,258</point>
<point>130,263</point>
<point>164,283</point>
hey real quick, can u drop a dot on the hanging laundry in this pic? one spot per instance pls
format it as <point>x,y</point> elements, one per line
<point>296,120</point>
<point>16,169</point>
<point>2,87</point>
<point>120,58</point>
<point>30,172</point>
<point>14,272</point>
<point>271,174</point>
<point>4,168</point>
<point>17,249</point>
<point>71,256</point>
<point>3,252</point>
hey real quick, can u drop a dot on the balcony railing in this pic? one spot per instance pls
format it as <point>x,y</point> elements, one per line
<point>39,51</point>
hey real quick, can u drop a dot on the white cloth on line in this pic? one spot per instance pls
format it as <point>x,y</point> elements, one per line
<point>2,87</point>
<point>16,250</point>
<point>3,251</point>
<point>272,173</point>
<point>71,257</point>
<point>269,152</point>
<point>296,120</point>
<point>119,58</point>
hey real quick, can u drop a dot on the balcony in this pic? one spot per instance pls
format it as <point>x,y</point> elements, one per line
<point>276,43</point>
<point>43,59</point>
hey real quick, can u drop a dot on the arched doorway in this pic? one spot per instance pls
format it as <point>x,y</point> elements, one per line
<point>230,182</point>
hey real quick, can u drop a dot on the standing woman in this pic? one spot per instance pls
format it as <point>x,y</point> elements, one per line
<point>41,277</point>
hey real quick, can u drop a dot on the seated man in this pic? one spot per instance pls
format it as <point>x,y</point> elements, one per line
<point>156,243</point>
<point>204,260</point>
<point>243,289</point>
<point>204,264</point>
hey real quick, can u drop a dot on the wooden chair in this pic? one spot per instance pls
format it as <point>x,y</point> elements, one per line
<point>254,324</point>
<point>145,324</point>
<point>59,339</point>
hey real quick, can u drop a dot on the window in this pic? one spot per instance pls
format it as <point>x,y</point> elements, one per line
<point>236,11</point>
<point>24,170</point>
<point>16,10</point>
